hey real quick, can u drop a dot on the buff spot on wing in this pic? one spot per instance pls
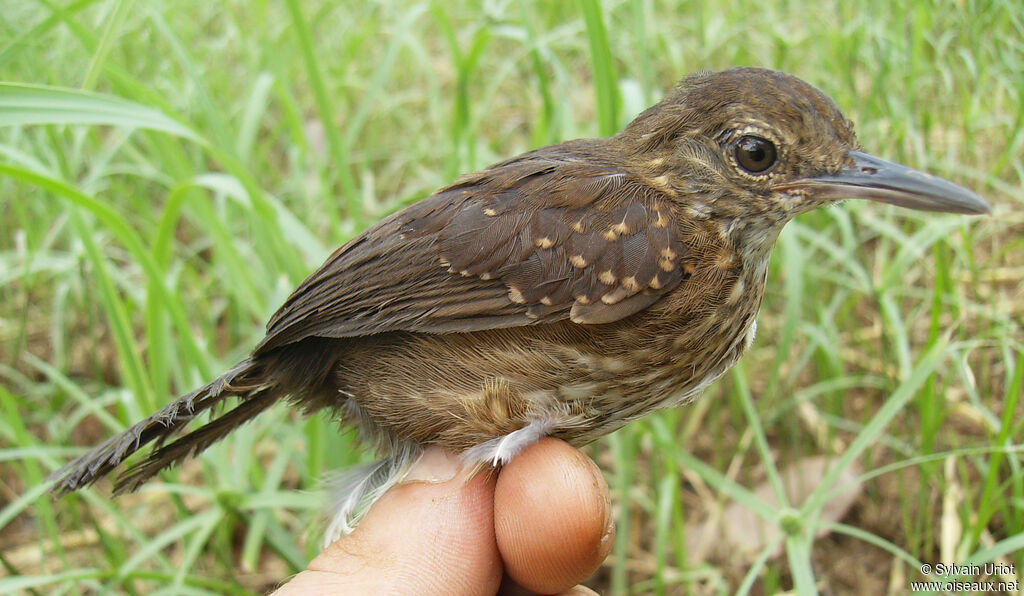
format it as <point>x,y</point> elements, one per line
<point>661,221</point>
<point>661,182</point>
<point>737,291</point>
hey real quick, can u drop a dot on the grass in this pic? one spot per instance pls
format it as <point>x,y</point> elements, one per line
<point>168,172</point>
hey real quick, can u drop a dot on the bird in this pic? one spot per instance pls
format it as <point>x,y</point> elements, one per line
<point>565,292</point>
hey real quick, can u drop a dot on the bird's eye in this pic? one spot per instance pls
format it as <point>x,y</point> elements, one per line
<point>755,154</point>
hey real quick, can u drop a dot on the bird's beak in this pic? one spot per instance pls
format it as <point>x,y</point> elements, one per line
<point>878,180</point>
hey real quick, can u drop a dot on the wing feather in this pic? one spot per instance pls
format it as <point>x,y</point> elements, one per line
<point>544,238</point>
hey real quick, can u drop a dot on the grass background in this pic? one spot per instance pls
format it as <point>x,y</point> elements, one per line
<point>170,170</point>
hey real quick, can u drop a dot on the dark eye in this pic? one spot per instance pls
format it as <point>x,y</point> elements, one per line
<point>755,154</point>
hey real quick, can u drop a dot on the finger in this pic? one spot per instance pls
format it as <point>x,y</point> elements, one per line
<point>432,534</point>
<point>552,517</point>
<point>510,588</point>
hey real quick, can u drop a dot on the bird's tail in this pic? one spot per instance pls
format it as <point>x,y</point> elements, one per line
<point>246,380</point>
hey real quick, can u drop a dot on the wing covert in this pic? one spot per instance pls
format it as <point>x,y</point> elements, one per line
<point>534,240</point>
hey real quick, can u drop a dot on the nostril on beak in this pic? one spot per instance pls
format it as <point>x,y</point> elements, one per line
<point>869,170</point>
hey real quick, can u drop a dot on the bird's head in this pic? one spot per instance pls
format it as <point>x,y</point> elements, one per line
<point>758,147</point>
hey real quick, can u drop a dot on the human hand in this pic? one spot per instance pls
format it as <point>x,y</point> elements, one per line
<point>541,525</point>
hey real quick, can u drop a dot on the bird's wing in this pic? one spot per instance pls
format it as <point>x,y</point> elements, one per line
<point>535,240</point>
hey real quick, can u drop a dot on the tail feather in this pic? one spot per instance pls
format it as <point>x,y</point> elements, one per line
<point>195,441</point>
<point>245,380</point>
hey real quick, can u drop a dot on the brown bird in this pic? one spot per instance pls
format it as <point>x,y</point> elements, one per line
<point>564,292</point>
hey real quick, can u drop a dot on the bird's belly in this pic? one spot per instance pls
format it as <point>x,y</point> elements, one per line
<point>461,390</point>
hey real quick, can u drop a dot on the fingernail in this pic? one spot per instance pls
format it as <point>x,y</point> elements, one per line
<point>435,465</point>
<point>609,517</point>
<point>609,525</point>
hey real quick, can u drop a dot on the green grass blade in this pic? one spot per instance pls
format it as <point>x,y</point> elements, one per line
<point>36,104</point>
<point>120,229</point>
<point>896,402</point>
<point>325,105</point>
<point>606,85</point>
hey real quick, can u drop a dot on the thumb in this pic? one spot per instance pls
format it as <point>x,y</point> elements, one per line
<point>432,534</point>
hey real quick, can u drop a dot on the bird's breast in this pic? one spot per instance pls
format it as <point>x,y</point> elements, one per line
<point>667,356</point>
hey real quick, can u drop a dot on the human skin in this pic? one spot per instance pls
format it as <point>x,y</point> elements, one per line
<point>540,525</point>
